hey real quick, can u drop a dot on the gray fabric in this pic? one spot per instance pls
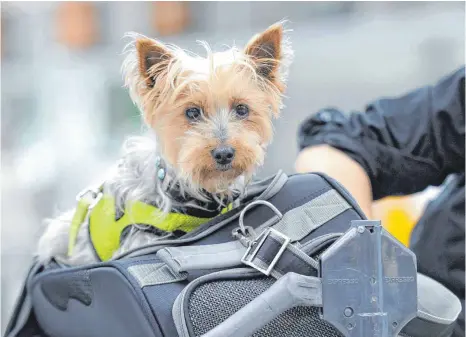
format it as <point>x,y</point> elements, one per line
<point>61,288</point>
<point>317,244</point>
<point>299,321</point>
<point>435,302</point>
<point>180,309</point>
<point>154,274</point>
<point>301,221</point>
<point>22,318</point>
<point>267,187</point>
<point>213,302</point>
<point>223,255</point>
<point>115,310</point>
<point>23,308</point>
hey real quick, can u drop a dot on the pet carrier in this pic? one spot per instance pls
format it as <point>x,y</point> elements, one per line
<point>296,257</point>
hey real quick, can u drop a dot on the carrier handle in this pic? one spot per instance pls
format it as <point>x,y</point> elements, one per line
<point>289,291</point>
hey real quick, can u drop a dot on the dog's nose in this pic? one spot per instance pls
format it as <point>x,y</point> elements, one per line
<point>223,155</point>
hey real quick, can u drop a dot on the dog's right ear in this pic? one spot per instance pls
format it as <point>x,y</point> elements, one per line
<point>153,57</point>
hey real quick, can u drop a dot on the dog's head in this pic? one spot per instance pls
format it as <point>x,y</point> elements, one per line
<point>212,116</point>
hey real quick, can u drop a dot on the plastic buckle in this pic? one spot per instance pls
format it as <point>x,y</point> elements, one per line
<point>248,258</point>
<point>369,282</point>
<point>95,195</point>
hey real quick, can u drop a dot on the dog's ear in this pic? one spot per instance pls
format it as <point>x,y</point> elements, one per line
<point>265,50</point>
<point>153,57</point>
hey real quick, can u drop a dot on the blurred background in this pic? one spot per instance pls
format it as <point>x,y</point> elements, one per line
<point>65,113</point>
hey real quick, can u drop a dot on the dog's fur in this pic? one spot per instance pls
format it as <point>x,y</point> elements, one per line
<point>164,81</point>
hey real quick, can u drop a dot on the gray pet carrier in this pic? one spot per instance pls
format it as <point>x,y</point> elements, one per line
<point>296,258</point>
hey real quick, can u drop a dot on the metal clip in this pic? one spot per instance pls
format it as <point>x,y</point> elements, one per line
<point>255,203</point>
<point>91,193</point>
<point>248,259</point>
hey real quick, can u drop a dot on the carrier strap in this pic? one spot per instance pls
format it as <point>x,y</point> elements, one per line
<point>303,220</point>
<point>188,258</point>
<point>274,252</point>
<point>149,274</point>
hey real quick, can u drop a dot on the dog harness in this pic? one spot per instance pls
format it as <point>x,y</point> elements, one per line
<point>107,226</point>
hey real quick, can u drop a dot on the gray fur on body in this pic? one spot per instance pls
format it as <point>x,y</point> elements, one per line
<point>135,178</point>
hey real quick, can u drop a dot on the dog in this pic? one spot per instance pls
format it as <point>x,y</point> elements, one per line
<point>209,121</point>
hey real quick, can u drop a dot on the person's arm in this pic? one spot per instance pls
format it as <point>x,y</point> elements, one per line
<point>398,146</point>
<point>340,166</point>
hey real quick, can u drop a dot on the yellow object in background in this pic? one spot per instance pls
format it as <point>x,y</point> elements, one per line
<point>400,224</point>
<point>398,216</point>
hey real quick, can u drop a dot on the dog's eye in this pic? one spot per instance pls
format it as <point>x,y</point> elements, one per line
<point>193,114</point>
<point>242,110</point>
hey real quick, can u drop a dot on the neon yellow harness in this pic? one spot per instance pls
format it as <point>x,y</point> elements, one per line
<point>105,231</point>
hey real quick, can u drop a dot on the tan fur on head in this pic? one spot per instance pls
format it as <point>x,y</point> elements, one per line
<point>152,59</point>
<point>265,50</point>
<point>164,81</point>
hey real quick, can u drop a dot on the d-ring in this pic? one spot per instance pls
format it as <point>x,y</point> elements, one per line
<point>255,203</point>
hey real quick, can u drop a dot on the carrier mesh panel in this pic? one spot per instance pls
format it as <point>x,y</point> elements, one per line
<point>299,321</point>
<point>212,303</point>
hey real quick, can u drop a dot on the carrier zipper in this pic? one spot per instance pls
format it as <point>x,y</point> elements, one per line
<point>179,317</point>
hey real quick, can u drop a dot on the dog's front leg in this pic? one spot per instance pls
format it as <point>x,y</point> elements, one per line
<point>54,242</point>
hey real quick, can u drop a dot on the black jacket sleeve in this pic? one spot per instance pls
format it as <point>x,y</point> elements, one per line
<point>406,143</point>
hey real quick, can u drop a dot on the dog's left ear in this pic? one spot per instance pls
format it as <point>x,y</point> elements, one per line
<point>270,53</point>
<point>152,57</point>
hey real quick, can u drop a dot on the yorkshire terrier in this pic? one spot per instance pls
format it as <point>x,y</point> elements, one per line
<point>210,122</point>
